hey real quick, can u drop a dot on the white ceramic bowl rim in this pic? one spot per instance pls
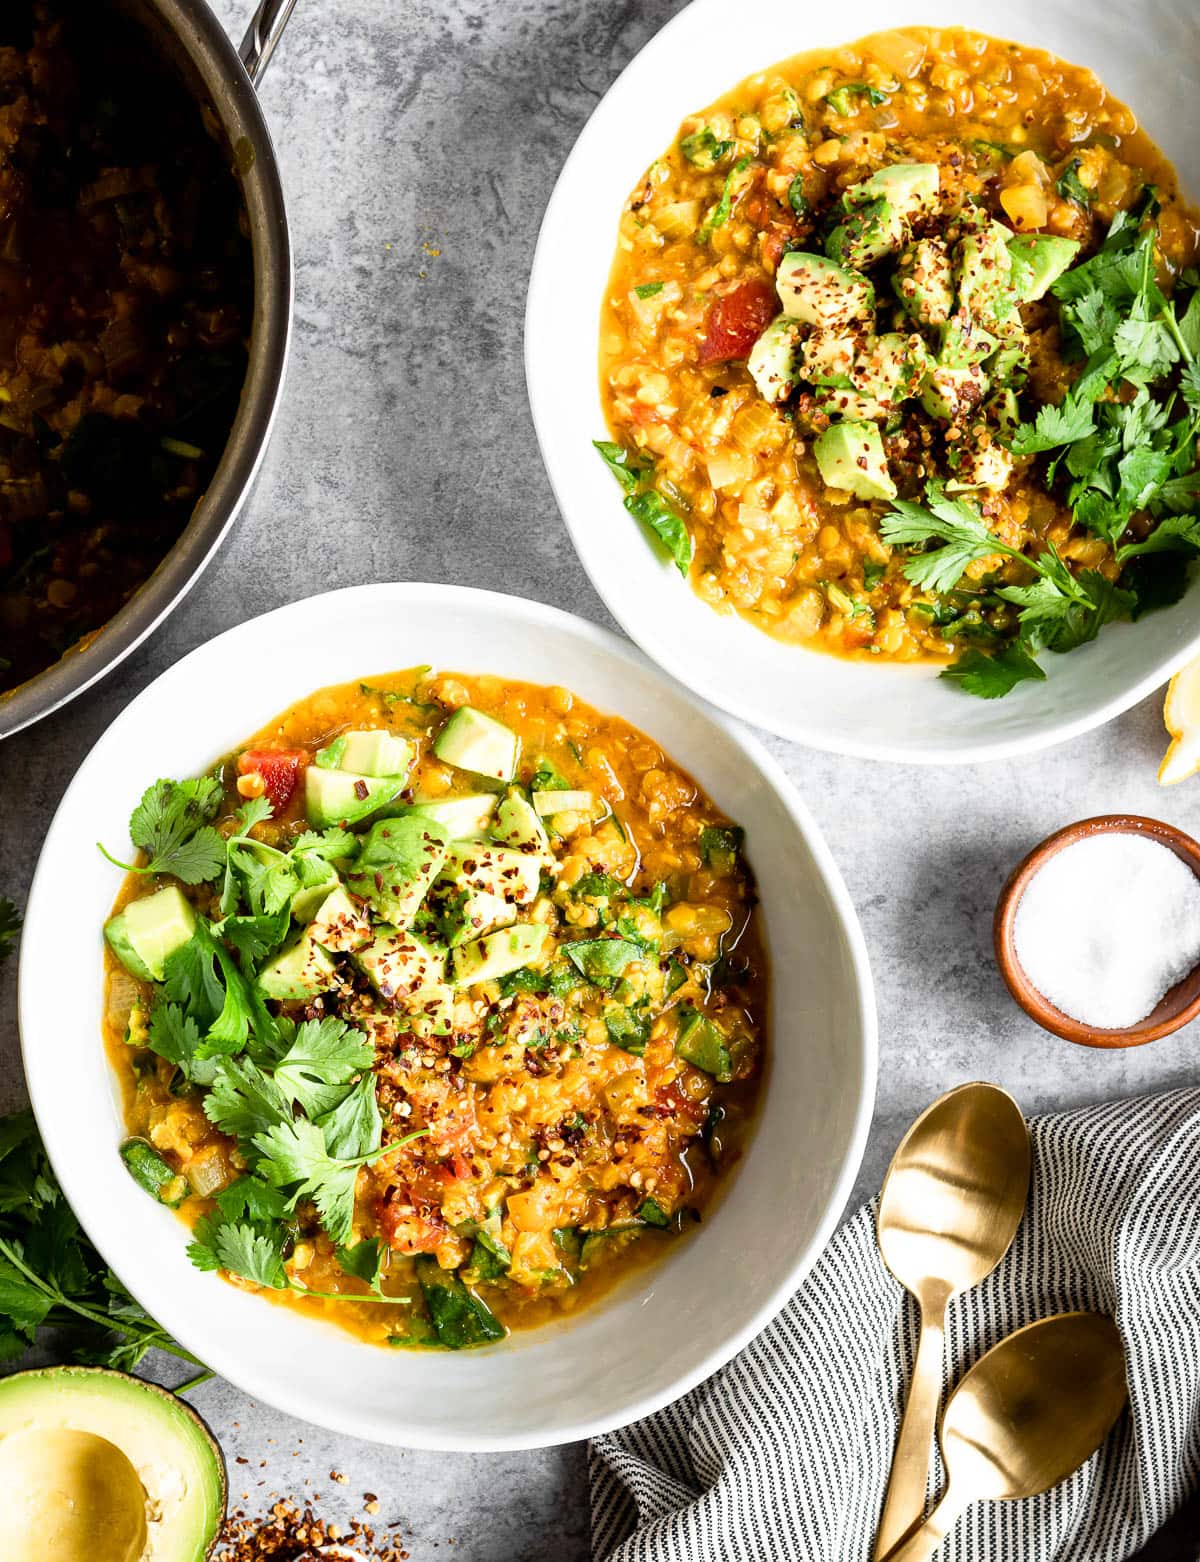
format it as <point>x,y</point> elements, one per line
<point>890,712</point>
<point>61,1040</point>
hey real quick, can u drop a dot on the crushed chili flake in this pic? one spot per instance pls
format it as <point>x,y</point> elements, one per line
<point>288,1533</point>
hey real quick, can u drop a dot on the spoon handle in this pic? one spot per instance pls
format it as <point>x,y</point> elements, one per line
<point>905,1500</point>
<point>923,1542</point>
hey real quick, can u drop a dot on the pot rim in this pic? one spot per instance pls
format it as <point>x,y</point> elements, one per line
<point>214,59</point>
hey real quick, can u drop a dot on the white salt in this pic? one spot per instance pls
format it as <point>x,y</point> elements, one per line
<point>1108,926</point>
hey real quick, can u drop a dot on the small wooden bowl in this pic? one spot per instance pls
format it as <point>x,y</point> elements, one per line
<point>1175,1008</point>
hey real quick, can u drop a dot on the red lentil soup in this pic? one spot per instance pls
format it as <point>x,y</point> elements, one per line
<point>484,941</point>
<point>726,415</point>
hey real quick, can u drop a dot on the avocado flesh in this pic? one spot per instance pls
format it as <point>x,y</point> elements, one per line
<point>908,187</point>
<point>148,931</point>
<point>773,360</point>
<point>867,235</point>
<point>819,292</point>
<point>1038,260</point>
<point>298,973</point>
<point>497,954</point>
<point>850,456</point>
<point>473,741</point>
<point>98,1466</point>
<point>333,797</point>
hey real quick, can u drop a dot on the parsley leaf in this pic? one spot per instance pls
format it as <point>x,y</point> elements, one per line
<point>989,677</point>
<point>1061,425</point>
<point>171,826</point>
<point>252,1251</point>
<point>329,844</point>
<point>364,1261</point>
<point>322,1059</point>
<point>1070,187</point>
<point>953,522</point>
<point>244,1102</point>
<point>353,1127</point>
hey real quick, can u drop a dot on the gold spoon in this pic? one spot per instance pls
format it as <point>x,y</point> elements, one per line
<point>1026,1416</point>
<point>951,1204</point>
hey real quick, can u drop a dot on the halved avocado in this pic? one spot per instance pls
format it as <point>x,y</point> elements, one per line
<point>96,1464</point>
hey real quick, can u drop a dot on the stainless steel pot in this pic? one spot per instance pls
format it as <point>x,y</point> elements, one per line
<point>224,78</point>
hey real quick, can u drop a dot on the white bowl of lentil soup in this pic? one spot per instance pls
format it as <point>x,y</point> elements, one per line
<point>896,365</point>
<point>495,966</point>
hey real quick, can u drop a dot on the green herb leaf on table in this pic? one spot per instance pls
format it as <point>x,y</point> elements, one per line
<point>52,1277</point>
<point>10,926</point>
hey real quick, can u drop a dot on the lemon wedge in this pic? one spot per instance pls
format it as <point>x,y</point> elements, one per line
<point>1181,713</point>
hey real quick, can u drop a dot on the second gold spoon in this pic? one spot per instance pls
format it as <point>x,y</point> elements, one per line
<point>950,1207</point>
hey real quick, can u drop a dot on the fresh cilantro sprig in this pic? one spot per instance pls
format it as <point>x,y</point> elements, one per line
<point>1058,611</point>
<point>51,1277</point>
<point>10,926</point>
<point>171,826</point>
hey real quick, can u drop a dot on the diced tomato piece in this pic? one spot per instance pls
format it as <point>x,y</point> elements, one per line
<point>736,320</point>
<point>406,1226</point>
<point>279,769</point>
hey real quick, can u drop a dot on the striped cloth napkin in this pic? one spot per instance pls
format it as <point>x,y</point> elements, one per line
<point>783,1455</point>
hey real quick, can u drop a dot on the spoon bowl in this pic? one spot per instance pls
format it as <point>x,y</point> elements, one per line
<point>949,1210</point>
<point>1025,1417</point>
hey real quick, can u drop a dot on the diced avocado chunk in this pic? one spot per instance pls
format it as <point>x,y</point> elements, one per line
<point>478,743</point>
<point>774,359</point>
<point>148,1169</point>
<point>909,188</point>
<point>981,466</point>
<point>517,824</point>
<point>950,392</point>
<point>459,912</point>
<point>547,804</point>
<point>341,797</point>
<point>1038,260</point>
<point>148,931</point>
<point>397,963</point>
<point>319,878</point>
<point>924,282</point>
<point>964,341</point>
<point>399,860</point>
<point>701,1044</point>
<point>510,875</point>
<point>984,269</point>
<point>494,955</point>
<point>430,1010</point>
<point>297,973</point>
<point>867,235</point>
<point>848,405</point>
<point>850,456</point>
<point>891,368</point>
<point>829,356</point>
<point>341,923</point>
<point>1002,411</point>
<point>461,817</point>
<point>819,292</point>
<point>368,753</point>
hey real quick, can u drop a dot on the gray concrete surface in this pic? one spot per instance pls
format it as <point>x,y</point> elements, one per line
<point>419,143</point>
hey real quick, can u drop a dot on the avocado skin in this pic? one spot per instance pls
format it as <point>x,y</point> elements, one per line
<point>58,1383</point>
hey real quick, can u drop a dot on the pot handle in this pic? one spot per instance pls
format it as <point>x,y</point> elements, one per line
<point>264,32</point>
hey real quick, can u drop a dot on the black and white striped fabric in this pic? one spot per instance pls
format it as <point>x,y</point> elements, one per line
<point>783,1455</point>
